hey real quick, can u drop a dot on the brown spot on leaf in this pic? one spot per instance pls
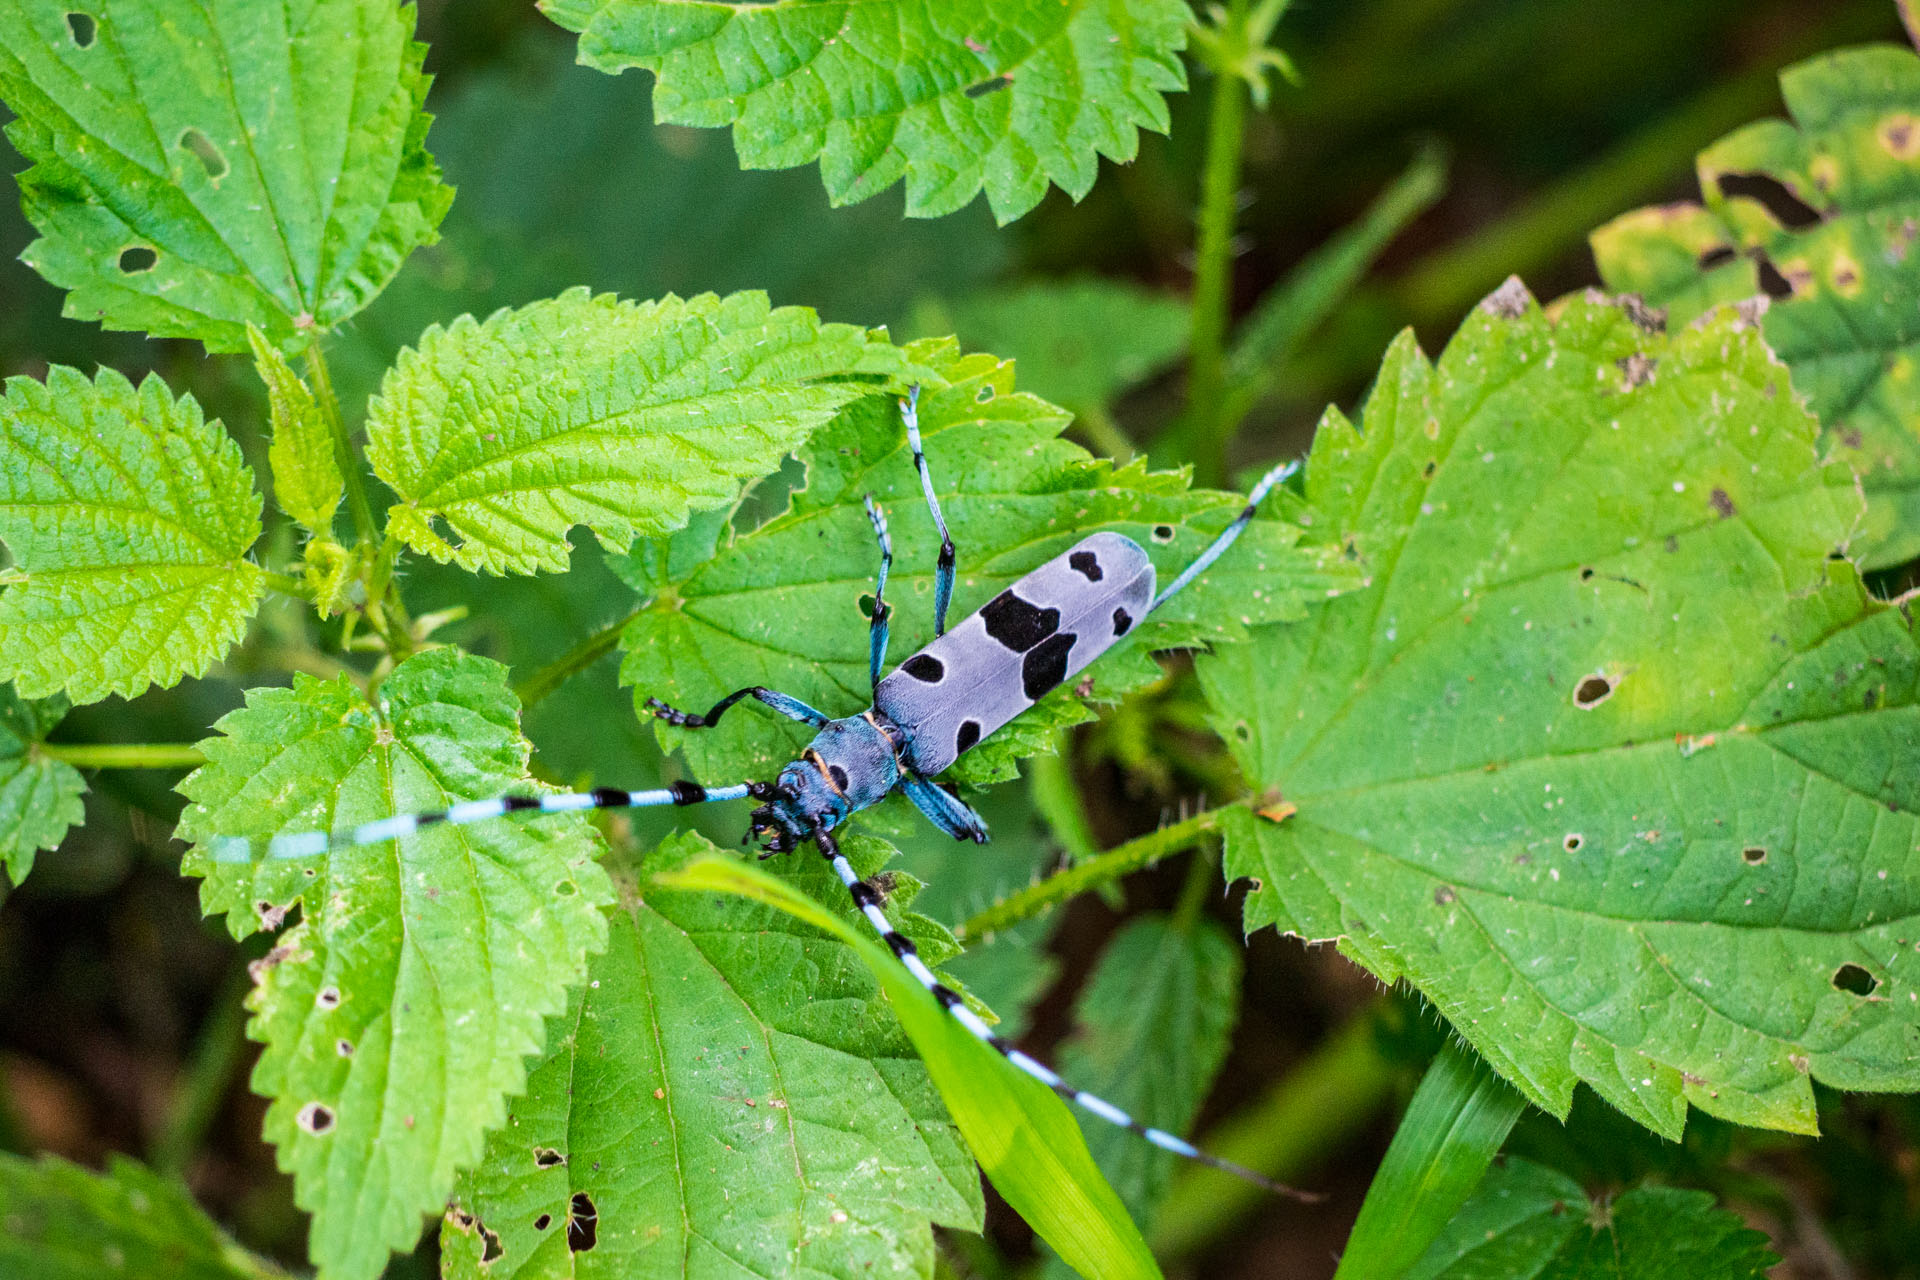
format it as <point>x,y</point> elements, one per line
<point>1510,301</point>
<point>1445,896</point>
<point>1645,318</point>
<point>1899,133</point>
<point>1721,502</point>
<point>1636,370</point>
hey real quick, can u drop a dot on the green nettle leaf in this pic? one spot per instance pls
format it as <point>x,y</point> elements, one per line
<point>129,516</point>
<point>196,169</point>
<point>1840,266</point>
<point>1007,95</point>
<point>1153,1028</point>
<point>398,1013</point>
<point>784,605</point>
<point>39,797</point>
<point>1603,763</point>
<point>1527,1222</point>
<point>729,1095</point>
<point>1021,1133</point>
<point>306,471</point>
<point>622,416</point>
<point>61,1222</point>
<point>1079,343</point>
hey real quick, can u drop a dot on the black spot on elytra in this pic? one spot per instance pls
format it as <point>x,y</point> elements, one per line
<point>838,775</point>
<point>968,735</point>
<point>925,667</point>
<point>1086,564</point>
<point>1122,622</point>
<point>1018,624</point>
<point>1046,665</point>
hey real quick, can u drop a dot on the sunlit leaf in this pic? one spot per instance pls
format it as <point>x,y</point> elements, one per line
<point>306,472</point>
<point>954,97</point>
<point>1603,762</point>
<point>729,1093</point>
<point>1822,213</point>
<point>1021,1132</point>
<point>398,1013</point>
<point>129,516</point>
<point>199,168</point>
<point>622,416</point>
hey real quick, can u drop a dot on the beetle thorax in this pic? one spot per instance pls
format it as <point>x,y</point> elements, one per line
<point>849,765</point>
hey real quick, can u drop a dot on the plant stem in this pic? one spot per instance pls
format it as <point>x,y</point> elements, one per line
<point>124,755</point>
<point>1193,892</point>
<point>1213,271</point>
<point>1299,1123</point>
<point>1142,851</point>
<point>286,584</point>
<point>583,655</point>
<point>1103,433</point>
<point>344,453</point>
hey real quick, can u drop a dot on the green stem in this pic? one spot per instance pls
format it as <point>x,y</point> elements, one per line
<point>1213,272</point>
<point>321,382</point>
<point>124,755</point>
<point>1294,1128</point>
<point>287,584</point>
<point>216,1052</point>
<point>1103,433</point>
<point>1193,892</point>
<point>583,655</point>
<point>1453,1128</point>
<point>1143,851</point>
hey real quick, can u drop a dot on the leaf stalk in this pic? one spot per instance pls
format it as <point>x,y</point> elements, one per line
<point>124,755</point>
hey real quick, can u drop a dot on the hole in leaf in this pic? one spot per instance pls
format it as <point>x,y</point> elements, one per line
<point>1772,283</point>
<point>328,998</point>
<point>583,1223</point>
<point>983,395</point>
<point>1586,573</point>
<point>547,1158</point>
<point>1573,842</point>
<point>866,606</point>
<point>1718,255</point>
<point>1163,533</point>
<point>542,1222</point>
<point>1242,732</point>
<point>1593,691</point>
<point>203,149</point>
<point>1753,855</point>
<point>1788,209</point>
<point>136,259</point>
<point>83,29</point>
<point>565,889</point>
<point>316,1118</point>
<point>492,1251</point>
<point>344,1048</point>
<point>1854,980</point>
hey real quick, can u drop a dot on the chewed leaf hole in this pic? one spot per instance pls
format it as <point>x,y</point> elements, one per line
<point>1573,842</point>
<point>1854,980</point>
<point>542,1222</point>
<point>565,889</point>
<point>1592,691</point>
<point>493,1250</point>
<point>1788,210</point>
<point>83,29</point>
<point>316,1118</point>
<point>866,605</point>
<point>136,259</point>
<point>210,157</point>
<point>547,1158</point>
<point>583,1223</point>
<point>983,395</point>
<point>328,998</point>
<point>1753,855</point>
<point>1163,533</point>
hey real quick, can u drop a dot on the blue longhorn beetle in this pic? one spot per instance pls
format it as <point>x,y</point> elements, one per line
<point>962,687</point>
